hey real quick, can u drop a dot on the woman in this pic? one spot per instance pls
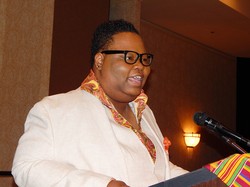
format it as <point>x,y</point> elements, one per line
<point>103,133</point>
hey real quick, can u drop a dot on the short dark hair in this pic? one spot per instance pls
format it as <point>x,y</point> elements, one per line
<point>102,36</point>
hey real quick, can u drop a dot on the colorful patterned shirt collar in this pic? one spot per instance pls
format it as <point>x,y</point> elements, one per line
<point>91,85</point>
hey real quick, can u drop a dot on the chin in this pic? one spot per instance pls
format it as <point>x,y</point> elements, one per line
<point>135,94</point>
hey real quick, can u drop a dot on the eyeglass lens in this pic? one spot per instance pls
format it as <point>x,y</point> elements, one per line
<point>131,57</point>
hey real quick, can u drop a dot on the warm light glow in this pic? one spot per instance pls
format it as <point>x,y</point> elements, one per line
<point>191,139</point>
<point>241,6</point>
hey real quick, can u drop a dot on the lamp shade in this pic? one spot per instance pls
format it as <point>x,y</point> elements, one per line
<point>191,139</point>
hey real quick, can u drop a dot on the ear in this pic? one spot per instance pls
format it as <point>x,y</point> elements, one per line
<point>99,61</point>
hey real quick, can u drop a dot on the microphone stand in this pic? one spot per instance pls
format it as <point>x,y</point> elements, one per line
<point>234,144</point>
<point>228,140</point>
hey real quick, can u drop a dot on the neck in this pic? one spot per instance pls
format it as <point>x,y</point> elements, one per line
<point>122,108</point>
<point>125,110</point>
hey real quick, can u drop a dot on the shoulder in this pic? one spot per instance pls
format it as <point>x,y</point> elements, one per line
<point>68,100</point>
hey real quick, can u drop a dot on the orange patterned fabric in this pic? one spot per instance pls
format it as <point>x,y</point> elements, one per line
<point>91,85</point>
<point>234,170</point>
<point>166,143</point>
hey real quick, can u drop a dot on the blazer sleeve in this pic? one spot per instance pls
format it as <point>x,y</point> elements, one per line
<point>34,164</point>
<point>176,171</point>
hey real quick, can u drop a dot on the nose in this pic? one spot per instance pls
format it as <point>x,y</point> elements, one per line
<point>138,63</point>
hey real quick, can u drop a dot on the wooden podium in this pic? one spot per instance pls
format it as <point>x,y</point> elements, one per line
<point>198,178</point>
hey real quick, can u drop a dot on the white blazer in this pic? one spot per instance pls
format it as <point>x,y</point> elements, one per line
<point>71,140</point>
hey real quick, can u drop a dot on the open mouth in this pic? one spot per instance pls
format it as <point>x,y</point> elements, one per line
<point>136,80</point>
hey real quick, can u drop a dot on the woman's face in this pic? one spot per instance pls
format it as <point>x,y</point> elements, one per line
<point>121,82</point>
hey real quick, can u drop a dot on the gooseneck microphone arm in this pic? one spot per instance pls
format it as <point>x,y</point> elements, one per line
<point>234,144</point>
<point>201,118</point>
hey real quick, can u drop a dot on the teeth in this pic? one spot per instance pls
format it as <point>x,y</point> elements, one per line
<point>138,77</point>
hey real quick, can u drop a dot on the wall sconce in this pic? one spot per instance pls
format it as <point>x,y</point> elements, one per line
<point>191,139</point>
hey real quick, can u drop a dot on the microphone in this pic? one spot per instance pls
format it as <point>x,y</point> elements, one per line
<point>201,119</point>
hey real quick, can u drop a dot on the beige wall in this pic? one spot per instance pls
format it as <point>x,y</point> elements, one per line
<point>25,45</point>
<point>128,10</point>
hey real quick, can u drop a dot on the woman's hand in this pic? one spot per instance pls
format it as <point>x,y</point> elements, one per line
<point>115,183</point>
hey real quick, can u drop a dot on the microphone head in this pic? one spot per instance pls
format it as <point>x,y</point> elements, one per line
<point>200,118</point>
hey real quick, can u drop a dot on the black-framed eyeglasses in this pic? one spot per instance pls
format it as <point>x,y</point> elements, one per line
<point>130,57</point>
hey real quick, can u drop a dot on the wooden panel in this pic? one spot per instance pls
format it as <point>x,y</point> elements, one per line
<point>188,77</point>
<point>74,24</point>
